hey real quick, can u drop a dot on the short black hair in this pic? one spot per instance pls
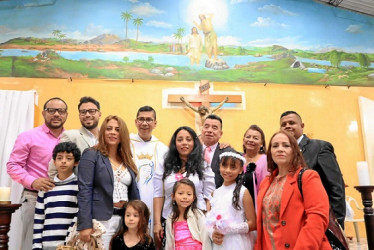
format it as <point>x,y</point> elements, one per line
<point>86,99</point>
<point>214,117</point>
<point>290,112</point>
<point>146,109</point>
<point>54,98</point>
<point>68,147</point>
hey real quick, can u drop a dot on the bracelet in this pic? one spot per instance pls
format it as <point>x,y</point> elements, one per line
<point>157,224</point>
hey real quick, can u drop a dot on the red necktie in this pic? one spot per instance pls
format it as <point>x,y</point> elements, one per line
<point>207,154</point>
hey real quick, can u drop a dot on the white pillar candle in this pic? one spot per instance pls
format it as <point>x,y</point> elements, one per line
<point>4,193</point>
<point>363,173</point>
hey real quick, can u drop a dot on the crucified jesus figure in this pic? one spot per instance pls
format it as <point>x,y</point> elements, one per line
<point>203,110</point>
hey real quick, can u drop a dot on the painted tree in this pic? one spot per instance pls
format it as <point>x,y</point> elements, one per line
<point>364,60</point>
<point>335,58</point>
<point>56,33</point>
<point>179,37</point>
<point>62,37</point>
<point>126,16</point>
<point>137,22</point>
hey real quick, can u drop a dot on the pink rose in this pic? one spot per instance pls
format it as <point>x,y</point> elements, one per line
<point>178,176</point>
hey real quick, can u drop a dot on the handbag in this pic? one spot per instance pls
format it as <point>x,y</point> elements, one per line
<point>334,232</point>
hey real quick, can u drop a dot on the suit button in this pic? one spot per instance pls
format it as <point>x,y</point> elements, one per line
<point>283,223</point>
<point>287,245</point>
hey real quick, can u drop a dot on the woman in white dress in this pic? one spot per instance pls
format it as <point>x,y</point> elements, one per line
<point>184,160</point>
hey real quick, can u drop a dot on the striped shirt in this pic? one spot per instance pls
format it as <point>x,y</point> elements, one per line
<point>54,213</point>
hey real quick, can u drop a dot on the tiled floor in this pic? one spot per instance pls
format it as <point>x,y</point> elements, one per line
<point>354,245</point>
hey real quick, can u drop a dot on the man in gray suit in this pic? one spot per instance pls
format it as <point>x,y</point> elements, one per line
<point>86,136</point>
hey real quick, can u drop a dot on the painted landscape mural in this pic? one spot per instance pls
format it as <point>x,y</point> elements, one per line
<point>265,41</point>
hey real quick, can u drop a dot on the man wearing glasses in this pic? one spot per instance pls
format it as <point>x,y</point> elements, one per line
<point>28,162</point>
<point>147,153</point>
<point>86,136</point>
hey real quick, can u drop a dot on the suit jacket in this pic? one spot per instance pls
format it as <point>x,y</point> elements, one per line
<point>79,137</point>
<point>96,184</point>
<point>303,221</point>
<point>319,156</point>
<point>215,164</point>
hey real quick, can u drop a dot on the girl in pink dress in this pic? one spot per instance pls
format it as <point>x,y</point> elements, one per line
<point>185,227</point>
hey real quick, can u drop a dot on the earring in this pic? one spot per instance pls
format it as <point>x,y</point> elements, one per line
<point>174,203</point>
<point>262,149</point>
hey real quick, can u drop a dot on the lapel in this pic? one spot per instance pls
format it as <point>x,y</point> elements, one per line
<point>215,157</point>
<point>108,167</point>
<point>303,143</point>
<point>85,136</point>
<point>288,190</point>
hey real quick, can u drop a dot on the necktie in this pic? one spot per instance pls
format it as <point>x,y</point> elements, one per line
<point>207,154</point>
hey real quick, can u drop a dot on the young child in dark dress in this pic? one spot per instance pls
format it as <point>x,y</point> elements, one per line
<point>134,232</point>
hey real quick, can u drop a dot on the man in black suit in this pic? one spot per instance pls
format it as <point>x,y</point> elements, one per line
<point>211,132</point>
<point>319,156</point>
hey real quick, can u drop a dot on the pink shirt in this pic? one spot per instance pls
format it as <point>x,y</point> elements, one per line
<point>31,154</point>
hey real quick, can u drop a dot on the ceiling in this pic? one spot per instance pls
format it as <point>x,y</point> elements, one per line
<point>361,6</point>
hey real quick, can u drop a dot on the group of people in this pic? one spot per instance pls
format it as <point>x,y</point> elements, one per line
<point>195,193</point>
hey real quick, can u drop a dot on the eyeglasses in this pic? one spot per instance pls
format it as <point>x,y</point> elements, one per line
<point>90,111</point>
<point>148,120</point>
<point>52,111</point>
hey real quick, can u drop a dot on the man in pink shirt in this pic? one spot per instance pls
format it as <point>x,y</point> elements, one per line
<point>28,162</point>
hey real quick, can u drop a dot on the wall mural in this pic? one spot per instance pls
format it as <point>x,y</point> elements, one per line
<point>276,41</point>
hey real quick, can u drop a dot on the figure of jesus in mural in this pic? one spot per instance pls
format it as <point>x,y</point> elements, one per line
<point>203,110</point>
<point>210,36</point>
<point>195,45</point>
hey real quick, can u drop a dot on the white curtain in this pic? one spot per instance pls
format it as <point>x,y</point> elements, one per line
<point>16,116</point>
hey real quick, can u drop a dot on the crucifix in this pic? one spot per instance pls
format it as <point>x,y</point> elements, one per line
<point>200,103</point>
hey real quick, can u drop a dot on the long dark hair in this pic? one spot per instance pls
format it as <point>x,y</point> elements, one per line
<point>297,156</point>
<point>230,160</point>
<point>194,164</point>
<point>144,214</point>
<point>193,206</point>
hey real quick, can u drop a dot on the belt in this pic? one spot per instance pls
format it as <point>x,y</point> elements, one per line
<point>118,211</point>
<point>29,190</point>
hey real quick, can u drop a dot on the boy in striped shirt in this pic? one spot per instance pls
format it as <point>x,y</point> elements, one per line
<point>56,209</point>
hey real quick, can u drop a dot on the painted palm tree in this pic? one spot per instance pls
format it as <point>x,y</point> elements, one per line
<point>137,22</point>
<point>126,16</point>
<point>181,31</point>
<point>178,36</point>
<point>56,33</point>
<point>62,36</point>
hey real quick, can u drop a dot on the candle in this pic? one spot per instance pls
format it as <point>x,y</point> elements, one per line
<point>363,173</point>
<point>4,193</point>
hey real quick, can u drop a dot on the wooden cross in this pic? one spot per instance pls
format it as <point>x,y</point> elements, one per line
<point>204,98</point>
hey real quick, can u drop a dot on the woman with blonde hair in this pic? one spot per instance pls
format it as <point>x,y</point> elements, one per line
<point>106,180</point>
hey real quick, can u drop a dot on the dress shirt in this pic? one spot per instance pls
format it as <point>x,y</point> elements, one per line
<point>211,152</point>
<point>30,156</point>
<point>92,137</point>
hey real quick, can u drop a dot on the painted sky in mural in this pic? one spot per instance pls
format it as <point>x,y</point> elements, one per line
<point>295,25</point>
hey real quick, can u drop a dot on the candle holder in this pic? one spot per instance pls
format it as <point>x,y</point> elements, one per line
<point>367,201</point>
<point>6,211</point>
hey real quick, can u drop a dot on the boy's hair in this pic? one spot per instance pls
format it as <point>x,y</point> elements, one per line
<point>230,159</point>
<point>144,214</point>
<point>193,206</point>
<point>68,147</point>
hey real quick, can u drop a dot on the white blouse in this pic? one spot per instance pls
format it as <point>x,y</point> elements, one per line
<point>204,187</point>
<point>122,181</point>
